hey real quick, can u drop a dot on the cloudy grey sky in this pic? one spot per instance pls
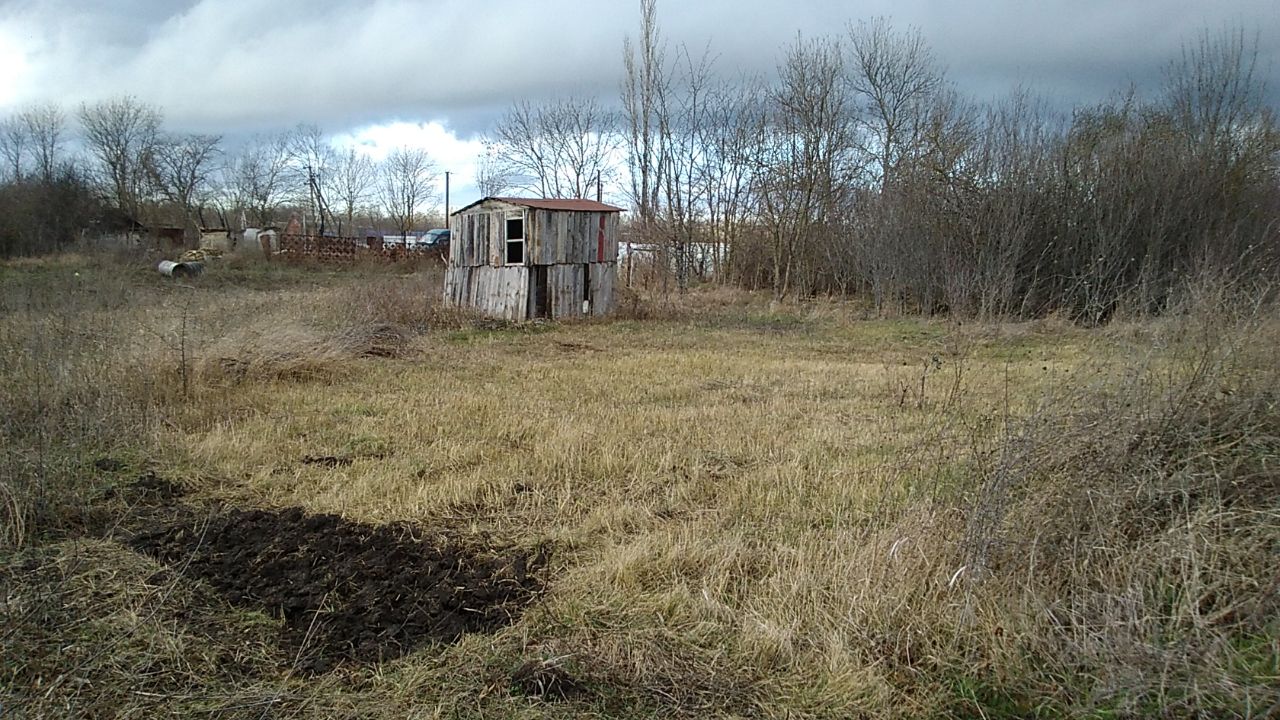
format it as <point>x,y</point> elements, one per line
<point>438,72</point>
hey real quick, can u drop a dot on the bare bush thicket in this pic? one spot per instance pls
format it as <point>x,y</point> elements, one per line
<point>867,174</point>
<point>1127,522</point>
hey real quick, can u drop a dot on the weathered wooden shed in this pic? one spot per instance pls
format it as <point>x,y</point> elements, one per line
<point>522,258</point>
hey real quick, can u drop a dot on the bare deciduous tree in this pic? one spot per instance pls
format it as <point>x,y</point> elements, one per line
<point>683,123</point>
<point>257,179</point>
<point>893,76</point>
<point>729,141</point>
<point>46,126</point>
<point>561,148</point>
<point>311,158</point>
<point>1212,90</point>
<point>407,184</point>
<point>180,167</point>
<point>686,140</point>
<point>491,176</point>
<point>121,134</point>
<point>351,185</point>
<point>14,141</point>
<point>644,90</point>
<point>804,163</point>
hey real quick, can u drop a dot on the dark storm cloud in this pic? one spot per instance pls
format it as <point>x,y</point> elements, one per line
<point>247,64</point>
<point>240,66</point>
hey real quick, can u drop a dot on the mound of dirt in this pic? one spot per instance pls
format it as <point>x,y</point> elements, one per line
<point>348,591</point>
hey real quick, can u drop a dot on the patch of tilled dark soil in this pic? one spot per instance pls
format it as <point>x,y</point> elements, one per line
<point>348,591</point>
<point>331,461</point>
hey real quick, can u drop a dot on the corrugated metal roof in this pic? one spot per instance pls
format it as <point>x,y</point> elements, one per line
<point>574,205</point>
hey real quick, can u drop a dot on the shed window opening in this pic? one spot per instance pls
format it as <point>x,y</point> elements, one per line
<point>515,241</point>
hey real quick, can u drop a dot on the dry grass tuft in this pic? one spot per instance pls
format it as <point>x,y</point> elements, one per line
<point>408,301</point>
<point>1130,524</point>
<point>297,352</point>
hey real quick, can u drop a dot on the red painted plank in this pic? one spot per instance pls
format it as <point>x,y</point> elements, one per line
<point>600,240</point>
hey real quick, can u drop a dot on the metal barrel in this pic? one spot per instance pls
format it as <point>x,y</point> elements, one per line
<point>170,268</point>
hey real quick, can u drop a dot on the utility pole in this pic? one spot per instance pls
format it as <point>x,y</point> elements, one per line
<point>446,198</point>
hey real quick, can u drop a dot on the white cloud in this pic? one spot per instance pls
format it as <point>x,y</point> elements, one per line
<point>450,153</point>
<point>14,69</point>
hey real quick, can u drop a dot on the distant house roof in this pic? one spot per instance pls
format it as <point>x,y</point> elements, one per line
<point>575,205</point>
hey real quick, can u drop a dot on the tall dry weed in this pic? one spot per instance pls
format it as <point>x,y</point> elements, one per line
<point>82,370</point>
<point>1128,526</point>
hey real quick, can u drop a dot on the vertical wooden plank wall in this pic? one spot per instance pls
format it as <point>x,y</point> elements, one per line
<point>499,292</point>
<point>565,287</point>
<point>604,277</point>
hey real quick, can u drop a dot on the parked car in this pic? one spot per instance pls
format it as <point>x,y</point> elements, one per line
<point>438,240</point>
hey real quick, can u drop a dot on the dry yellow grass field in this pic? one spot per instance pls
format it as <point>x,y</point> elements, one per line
<point>750,510</point>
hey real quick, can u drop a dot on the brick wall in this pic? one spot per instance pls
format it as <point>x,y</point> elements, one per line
<point>345,249</point>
